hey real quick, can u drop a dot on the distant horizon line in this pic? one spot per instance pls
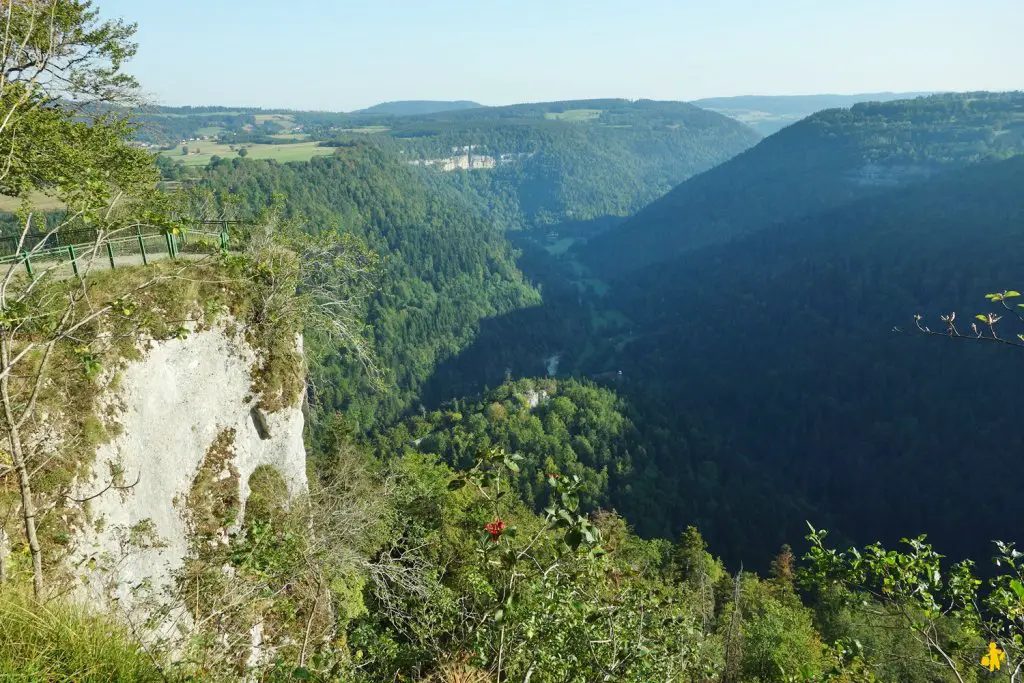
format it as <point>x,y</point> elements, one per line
<point>909,93</point>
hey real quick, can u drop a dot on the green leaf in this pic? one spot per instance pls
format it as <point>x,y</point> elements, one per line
<point>301,674</point>
<point>1012,293</point>
<point>982,318</point>
<point>456,484</point>
<point>573,538</point>
<point>1018,588</point>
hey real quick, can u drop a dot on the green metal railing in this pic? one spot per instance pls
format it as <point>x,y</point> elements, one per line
<point>132,249</point>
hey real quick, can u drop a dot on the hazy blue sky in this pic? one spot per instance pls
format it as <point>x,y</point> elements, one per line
<point>342,55</point>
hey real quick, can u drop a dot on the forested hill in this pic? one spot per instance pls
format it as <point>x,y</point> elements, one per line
<point>518,166</point>
<point>607,111</point>
<point>660,472</point>
<point>444,269</point>
<point>785,341</point>
<point>827,160</point>
<point>543,163</point>
<point>416,107</point>
<point>769,114</point>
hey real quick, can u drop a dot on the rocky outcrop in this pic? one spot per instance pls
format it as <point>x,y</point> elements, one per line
<point>184,413</point>
<point>535,398</point>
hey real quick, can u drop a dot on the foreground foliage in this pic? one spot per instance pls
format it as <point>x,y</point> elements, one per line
<point>59,642</point>
<point>561,596</point>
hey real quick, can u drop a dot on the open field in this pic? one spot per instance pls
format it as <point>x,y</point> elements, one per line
<point>574,115</point>
<point>41,202</point>
<point>181,116</point>
<point>299,151</point>
<point>367,130</point>
<point>286,120</point>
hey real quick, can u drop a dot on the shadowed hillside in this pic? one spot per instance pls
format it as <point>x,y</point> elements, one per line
<point>825,161</point>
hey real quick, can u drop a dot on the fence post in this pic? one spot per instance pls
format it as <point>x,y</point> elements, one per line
<point>74,260</point>
<point>224,239</point>
<point>110,255</point>
<point>28,265</point>
<point>170,244</point>
<point>142,247</point>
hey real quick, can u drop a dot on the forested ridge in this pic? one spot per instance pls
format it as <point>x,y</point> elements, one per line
<point>574,160</point>
<point>447,265</point>
<point>830,389</point>
<point>416,107</point>
<point>443,269</point>
<point>824,161</point>
<point>768,114</point>
<point>814,319</point>
<point>547,162</point>
<point>791,345</point>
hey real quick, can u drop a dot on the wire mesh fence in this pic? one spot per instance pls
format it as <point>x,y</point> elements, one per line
<point>10,245</point>
<point>83,250</point>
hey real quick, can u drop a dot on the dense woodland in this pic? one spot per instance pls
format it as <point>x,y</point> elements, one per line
<point>824,161</point>
<point>575,160</point>
<point>789,354</point>
<point>841,381</point>
<point>560,161</point>
<point>443,269</point>
<point>802,220</point>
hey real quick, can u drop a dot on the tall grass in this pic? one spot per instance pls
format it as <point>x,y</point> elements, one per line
<point>63,642</point>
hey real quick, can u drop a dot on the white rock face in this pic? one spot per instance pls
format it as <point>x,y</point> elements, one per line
<point>171,405</point>
<point>534,398</point>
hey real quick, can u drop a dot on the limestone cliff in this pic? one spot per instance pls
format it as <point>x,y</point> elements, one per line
<point>185,413</point>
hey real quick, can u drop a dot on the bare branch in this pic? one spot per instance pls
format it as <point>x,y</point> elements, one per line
<point>111,486</point>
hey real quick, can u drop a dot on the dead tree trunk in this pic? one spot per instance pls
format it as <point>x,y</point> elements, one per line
<point>28,507</point>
